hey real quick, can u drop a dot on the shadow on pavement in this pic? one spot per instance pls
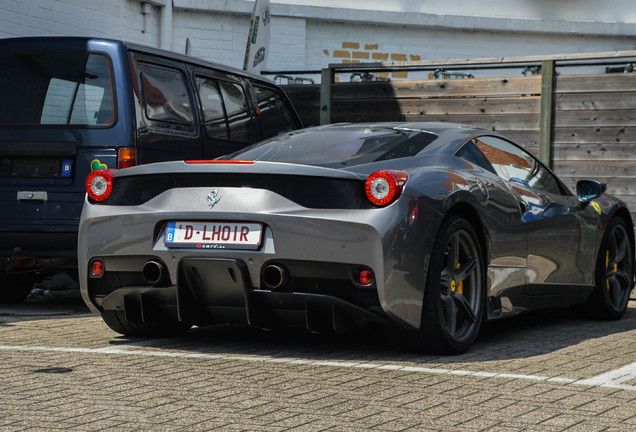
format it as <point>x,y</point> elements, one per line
<point>55,297</point>
<point>528,335</point>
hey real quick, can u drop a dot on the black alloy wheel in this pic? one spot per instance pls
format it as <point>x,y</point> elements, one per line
<point>614,273</point>
<point>454,292</point>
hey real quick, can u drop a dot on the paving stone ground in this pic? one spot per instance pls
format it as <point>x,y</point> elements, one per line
<point>61,368</point>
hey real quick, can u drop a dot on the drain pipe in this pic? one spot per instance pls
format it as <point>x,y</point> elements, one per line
<point>165,20</point>
<point>165,30</point>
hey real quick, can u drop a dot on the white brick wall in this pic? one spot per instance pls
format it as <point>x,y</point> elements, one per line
<point>441,44</point>
<point>312,34</point>
<point>120,19</point>
<point>287,44</point>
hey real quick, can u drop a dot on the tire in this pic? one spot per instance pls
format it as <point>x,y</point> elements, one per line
<point>15,287</point>
<point>614,274</point>
<point>454,293</point>
<point>117,322</point>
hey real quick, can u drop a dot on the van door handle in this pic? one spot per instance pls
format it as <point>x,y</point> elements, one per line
<point>32,196</point>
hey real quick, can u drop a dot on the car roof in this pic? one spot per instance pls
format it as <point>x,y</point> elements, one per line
<point>434,127</point>
<point>448,134</point>
<point>78,42</point>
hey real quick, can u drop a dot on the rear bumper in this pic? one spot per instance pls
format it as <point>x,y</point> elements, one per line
<point>213,290</point>
<point>318,241</point>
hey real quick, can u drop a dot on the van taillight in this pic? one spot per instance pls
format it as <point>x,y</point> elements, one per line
<point>126,157</point>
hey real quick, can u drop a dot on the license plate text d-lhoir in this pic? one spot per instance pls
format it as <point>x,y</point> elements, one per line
<point>213,235</point>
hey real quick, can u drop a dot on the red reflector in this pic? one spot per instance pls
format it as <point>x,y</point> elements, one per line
<point>365,277</point>
<point>384,187</point>
<point>414,214</point>
<point>220,161</point>
<point>99,184</point>
<point>97,268</point>
<point>126,157</point>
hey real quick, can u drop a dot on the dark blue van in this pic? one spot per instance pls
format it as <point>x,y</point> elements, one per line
<point>70,105</point>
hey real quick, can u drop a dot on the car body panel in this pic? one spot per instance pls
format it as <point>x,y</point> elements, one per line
<point>540,247</point>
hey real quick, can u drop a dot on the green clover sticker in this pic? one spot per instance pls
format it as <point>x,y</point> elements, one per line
<point>97,165</point>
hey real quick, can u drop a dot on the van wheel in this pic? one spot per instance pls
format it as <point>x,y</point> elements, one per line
<point>117,322</point>
<point>15,287</point>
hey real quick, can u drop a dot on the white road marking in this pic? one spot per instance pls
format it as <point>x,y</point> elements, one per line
<point>612,379</point>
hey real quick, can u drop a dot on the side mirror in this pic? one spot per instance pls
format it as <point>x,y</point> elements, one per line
<point>587,190</point>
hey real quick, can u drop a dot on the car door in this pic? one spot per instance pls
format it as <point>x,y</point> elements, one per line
<point>559,233</point>
<point>507,236</point>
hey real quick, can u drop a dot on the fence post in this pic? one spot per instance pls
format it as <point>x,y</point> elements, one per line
<point>326,83</point>
<point>546,120</point>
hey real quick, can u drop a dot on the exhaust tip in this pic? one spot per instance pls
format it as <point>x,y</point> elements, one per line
<point>274,276</point>
<point>154,272</point>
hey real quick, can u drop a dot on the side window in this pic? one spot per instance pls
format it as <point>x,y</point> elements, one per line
<point>166,96</point>
<point>470,153</point>
<point>225,110</point>
<point>238,117</point>
<point>515,165</point>
<point>213,111</point>
<point>276,116</point>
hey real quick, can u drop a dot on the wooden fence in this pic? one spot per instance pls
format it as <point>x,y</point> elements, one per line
<point>581,125</point>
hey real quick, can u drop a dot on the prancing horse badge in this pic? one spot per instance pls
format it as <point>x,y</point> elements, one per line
<point>214,198</point>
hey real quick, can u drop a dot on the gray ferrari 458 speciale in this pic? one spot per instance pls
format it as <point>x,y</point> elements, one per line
<point>425,229</point>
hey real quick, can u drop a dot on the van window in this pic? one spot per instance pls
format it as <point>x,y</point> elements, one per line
<point>225,110</point>
<point>166,96</point>
<point>56,88</point>
<point>276,116</point>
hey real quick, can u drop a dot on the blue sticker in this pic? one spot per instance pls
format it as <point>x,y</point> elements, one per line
<point>67,167</point>
<point>170,232</point>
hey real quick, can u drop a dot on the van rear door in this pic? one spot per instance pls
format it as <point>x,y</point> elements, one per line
<point>58,121</point>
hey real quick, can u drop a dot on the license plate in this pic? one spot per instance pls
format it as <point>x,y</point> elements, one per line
<point>213,235</point>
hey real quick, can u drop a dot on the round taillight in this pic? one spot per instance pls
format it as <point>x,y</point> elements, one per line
<point>383,187</point>
<point>99,184</point>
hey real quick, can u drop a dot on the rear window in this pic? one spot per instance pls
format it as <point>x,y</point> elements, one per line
<point>64,88</point>
<point>338,147</point>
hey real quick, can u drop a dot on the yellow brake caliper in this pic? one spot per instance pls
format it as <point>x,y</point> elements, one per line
<point>456,286</point>
<point>607,282</point>
<point>459,286</point>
